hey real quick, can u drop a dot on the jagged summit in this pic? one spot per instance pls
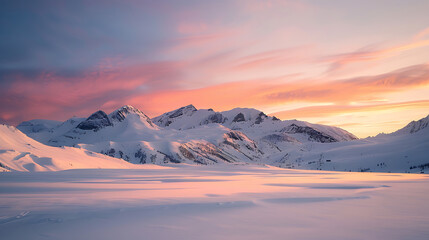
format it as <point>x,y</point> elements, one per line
<point>167,118</point>
<point>248,115</point>
<point>180,111</point>
<point>183,110</point>
<point>190,106</point>
<point>128,109</point>
<point>121,113</point>
<point>100,119</point>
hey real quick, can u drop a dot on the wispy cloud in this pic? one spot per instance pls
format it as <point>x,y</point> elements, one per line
<point>335,110</point>
<point>272,58</point>
<point>264,93</point>
<point>55,95</point>
<point>422,34</point>
<point>355,89</point>
<point>339,61</point>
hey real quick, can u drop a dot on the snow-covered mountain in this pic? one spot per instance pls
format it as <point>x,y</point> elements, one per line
<point>240,135</point>
<point>185,135</point>
<point>21,153</point>
<point>406,150</point>
<point>251,122</point>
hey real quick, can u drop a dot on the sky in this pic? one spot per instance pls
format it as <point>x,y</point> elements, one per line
<point>359,65</point>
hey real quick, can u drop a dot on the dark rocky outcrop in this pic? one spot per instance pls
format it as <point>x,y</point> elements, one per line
<point>186,153</point>
<point>141,156</point>
<point>313,134</point>
<point>276,138</point>
<point>260,118</point>
<point>214,118</point>
<point>239,118</point>
<point>237,138</point>
<point>179,112</point>
<point>95,122</point>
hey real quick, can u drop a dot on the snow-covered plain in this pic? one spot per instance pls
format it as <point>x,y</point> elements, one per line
<point>72,191</point>
<point>212,202</point>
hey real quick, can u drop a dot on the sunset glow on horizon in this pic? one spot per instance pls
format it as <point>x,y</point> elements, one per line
<point>362,66</point>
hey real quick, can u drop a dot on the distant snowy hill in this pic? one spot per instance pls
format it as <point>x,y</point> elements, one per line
<point>240,136</point>
<point>414,127</point>
<point>21,153</point>
<point>405,152</point>
<point>44,130</point>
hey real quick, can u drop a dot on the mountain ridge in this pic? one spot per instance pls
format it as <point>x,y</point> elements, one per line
<point>204,136</point>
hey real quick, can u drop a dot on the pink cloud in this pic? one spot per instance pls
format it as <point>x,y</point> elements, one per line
<point>422,34</point>
<point>356,89</point>
<point>54,96</point>
<point>262,93</point>
<point>279,57</point>
<point>339,61</point>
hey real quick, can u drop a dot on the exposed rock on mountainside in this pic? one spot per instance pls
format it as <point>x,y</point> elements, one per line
<point>313,135</point>
<point>95,122</point>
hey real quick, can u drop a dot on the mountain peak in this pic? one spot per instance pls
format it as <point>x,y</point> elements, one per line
<point>128,108</point>
<point>167,118</point>
<point>183,110</point>
<point>187,108</point>
<point>121,113</point>
<point>191,106</point>
<point>249,115</point>
<point>179,112</point>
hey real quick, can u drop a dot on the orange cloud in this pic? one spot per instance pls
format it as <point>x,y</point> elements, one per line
<point>220,97</point>
<point>356,89</point>
<point>421,34</point>
<point>271,58</point>
<point>333,110</point>
<point>55,95</point>
<point>263,93</point>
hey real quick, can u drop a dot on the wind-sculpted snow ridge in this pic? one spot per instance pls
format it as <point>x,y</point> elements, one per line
<point>20,153</point>
<point>238,136</point>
